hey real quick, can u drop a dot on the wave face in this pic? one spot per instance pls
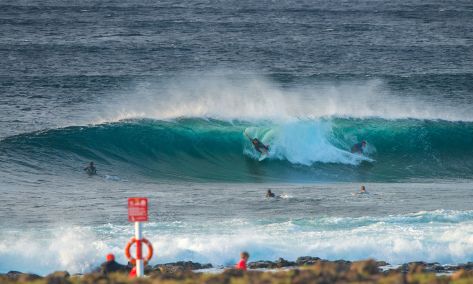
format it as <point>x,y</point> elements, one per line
<point>214,150</point>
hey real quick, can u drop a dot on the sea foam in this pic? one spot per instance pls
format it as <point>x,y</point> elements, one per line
<point>437,236</point>
<point>212,95</point>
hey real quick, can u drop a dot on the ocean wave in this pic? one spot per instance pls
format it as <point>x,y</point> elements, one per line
<point>212,150</point>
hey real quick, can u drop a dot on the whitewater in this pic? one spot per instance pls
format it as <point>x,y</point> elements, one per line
<point>162,96</point>
<point>188,223</point>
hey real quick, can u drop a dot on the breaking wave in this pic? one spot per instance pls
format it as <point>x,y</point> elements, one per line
<point>215,150</point>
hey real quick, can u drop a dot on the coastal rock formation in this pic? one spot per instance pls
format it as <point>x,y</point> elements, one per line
<point>180,266</point>
<point>266,264</point>
<point>304,270</point>
<point>58,277</point>
<point>306,260</point>
<point>21,277</point>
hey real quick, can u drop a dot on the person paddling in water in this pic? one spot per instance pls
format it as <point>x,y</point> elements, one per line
<point>359,148</point>
<point>269,194</point>
<point>91,169</point>
<point>258,145</point>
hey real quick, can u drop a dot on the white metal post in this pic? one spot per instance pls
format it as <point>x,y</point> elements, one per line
<point>140,269</point>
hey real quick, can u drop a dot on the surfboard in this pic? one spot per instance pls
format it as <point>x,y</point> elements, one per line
<point>262,157</point>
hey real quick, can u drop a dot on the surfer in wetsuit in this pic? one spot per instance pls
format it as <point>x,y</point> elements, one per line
<point>270,194</point>
<point>258,145</point>
<point>359,148</point>
<point>91,169</point>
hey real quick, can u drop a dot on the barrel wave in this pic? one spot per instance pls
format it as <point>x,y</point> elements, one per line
<point>206,150</point>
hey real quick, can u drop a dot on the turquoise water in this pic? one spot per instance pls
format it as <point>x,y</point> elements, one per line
<point>215,150</point>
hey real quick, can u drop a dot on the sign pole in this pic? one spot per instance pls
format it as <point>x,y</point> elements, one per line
<point>138,213</point>
<point>139,252</point>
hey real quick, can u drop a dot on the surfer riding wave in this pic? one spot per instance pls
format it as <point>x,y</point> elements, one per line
<point>258,145</point>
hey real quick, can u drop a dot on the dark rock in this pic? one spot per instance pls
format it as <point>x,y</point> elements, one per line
<point>58,277</point>
<point>381,263</point>
<point>281,262</point>
<point>266,264</point>
<point>170,269</point>
<point>147,269</point>
<point>433,267</point>
<point>412,267</point>
<point>466,266</point>
<point>183,265</point>
<point>13,275</point>
<point>21,277</point>
<point>263,264</point>
<point>306,260</point>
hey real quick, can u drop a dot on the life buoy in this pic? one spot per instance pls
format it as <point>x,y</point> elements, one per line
<point>128,253</point>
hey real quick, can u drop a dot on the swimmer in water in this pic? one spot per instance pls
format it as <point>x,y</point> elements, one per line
<point>91,169</point>
<point>363,190</point>
<point>359,148</point>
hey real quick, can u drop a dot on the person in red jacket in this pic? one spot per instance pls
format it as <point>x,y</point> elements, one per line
<point>132,273</point>
<point>243,259</point>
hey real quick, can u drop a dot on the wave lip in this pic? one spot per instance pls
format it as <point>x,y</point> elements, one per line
<point>255,98</point>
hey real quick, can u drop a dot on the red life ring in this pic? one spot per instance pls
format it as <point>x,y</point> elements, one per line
<point>128,253</point>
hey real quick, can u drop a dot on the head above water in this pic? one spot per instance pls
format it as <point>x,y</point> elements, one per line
<point>91,163</point>
<point>362,188</point>
<point>363,143</point>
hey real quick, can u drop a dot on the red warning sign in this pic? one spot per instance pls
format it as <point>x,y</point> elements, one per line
<point>137,209</point>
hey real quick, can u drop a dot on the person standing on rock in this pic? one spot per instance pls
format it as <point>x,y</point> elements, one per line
<point>244,256</point>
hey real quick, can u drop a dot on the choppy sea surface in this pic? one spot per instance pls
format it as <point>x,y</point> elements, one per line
<point>160,95</point>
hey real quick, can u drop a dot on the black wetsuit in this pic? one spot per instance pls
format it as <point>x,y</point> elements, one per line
<point>91,170</point>
<point>259,145</point>
<point>112,266</point>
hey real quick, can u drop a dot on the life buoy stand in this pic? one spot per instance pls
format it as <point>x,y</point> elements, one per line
<point>128,253</point>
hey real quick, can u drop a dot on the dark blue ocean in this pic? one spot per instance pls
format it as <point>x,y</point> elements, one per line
<point>161,95</point>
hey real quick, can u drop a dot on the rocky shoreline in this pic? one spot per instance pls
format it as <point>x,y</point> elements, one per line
<point>313,269</point>
<point>309,260</point>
